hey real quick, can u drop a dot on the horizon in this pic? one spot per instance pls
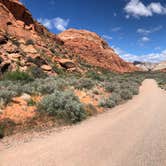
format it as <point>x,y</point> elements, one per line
<point>136,30</point>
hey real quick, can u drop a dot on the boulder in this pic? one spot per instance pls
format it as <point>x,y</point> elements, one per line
<point>10,48</point>
<point>26,97</point>
<point>46,67</point>
<point>37,60</point>
<point>67,63</point>
<point>14,56</point>
<point>28,49</point>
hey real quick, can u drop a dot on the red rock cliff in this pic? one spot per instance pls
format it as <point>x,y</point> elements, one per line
<point>94,50</point>
<point>17,26</point>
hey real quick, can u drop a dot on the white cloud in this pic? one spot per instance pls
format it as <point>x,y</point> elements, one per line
<point>116,29</point>
<point>149,31</point>
<point>118,50</point>
<point>58,23</point>
<point>46,22</point>
<point>151,57</point>
<point>136,8</point>
<point>145,39</point>
<point>157,48</point>
<point>157,8</point>
<point>107,37</point>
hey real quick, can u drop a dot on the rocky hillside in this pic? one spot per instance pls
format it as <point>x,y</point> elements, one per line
<point>145,66</point>
<point>24,43</point>
<point>160,66</point>
<point>94,50</point>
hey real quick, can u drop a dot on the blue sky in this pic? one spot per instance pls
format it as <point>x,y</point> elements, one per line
<point>136,29</point>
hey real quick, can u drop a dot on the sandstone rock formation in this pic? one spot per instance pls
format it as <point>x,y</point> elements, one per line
<point>160,66</point>
<point>147,66</point>
<point>94,50</point>
<point>22,38</point>
<point>25,43</point>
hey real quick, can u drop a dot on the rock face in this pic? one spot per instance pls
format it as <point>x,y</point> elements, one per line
<point>145,66</point>
<point>94,50</point>
<point>22,38</point>
<point>160,66</point>
<point>25,43</point>
<point>18,21</point>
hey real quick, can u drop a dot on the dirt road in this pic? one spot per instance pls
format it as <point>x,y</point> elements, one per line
<point>133,134</point>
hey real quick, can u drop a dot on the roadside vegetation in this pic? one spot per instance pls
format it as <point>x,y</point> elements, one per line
<point>58,97</point>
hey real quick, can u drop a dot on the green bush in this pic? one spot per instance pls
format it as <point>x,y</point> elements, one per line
<point>85,83</point>
<point>6,96</point>
<point>63,105</point>
<point>126,94</point>
<point>116,97</point>
<point>17,75</point>
<point>112,86</point>
<point>107,103</point>
<point>37,72</point>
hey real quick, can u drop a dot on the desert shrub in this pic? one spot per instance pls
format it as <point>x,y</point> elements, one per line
<point>30,42</point>
<point>96,91</point>
<point>63,105</point>
<point>107,103</point>
<point>37,72</point>
<point>31,102</point>
<point>90,109</point>
<point>116,97</point>
<point>126,94</point>
<point>43,86</point>
<point>17,75</point>
<point>112,86</point>
<point>6,127</point>
<point>85,83</point>
<point>95,76</point>
<point>40,86</point>
<point>53,50</point>
<point>58,70</point>
<point>134,88</point>
<point>6,96</point>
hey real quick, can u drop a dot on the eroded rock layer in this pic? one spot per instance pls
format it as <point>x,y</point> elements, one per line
<point>94,50</point>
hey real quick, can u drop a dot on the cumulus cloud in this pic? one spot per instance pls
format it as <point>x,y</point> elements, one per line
<point>152,57</point>
<point>136,8</point>
<point>145,39</point>
<point>59,23</point>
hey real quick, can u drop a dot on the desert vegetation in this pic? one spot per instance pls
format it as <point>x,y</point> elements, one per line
<point>58,94</point>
